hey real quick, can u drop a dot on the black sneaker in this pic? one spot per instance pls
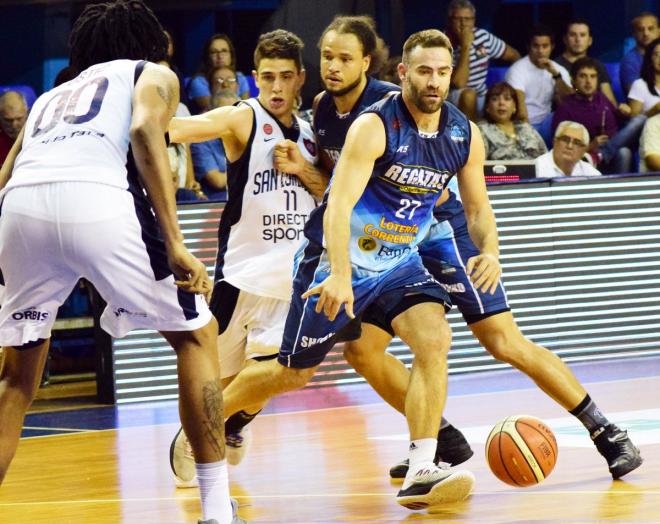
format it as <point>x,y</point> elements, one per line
<point>452,449</point>
<point>621,454</point>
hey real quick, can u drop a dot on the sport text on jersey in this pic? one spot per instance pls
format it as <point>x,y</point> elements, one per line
<point>416,179</point>
<point>287,225</point>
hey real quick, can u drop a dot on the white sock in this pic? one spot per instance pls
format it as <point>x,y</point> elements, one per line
<point>422,450</point>
<point>214,490</point>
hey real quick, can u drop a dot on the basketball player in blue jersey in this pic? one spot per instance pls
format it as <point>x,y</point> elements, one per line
<point>361,249</point>
<point>446,252</point>
<point>87,193</point>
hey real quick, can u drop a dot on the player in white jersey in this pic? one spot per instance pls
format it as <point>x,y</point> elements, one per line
<point>262,224</point>
<point>86,193</point>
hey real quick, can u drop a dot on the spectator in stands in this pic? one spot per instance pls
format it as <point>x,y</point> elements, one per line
<point>645,30</point>
<point>209,160</point>
<point>183,96</point>
<point>539,81</point>
<point>13,113</point>
<point>506,137</point>
<point>610,146</point>
<point>218,51</point>
<point>389,72</point>
<point>649,146</point>
<point>565,158</point>
<point>644,95</point>
<point>473,49</point>
<point>577,41</point>
<point>223,78</point>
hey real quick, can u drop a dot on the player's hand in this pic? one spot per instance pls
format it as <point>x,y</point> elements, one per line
<point>189,272</point>
<point>333,293</point>
<point>287,158</point>
<point>484,271</point>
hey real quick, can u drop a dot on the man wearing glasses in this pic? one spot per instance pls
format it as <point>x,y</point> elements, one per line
<point>473,49</point>
<point>565,158</point>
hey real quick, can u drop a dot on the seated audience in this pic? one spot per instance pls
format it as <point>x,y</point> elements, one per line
<point>611,146</point>
<point>218,51</point>
<point>577,41</point>
<point>539,81</point>
<point>209,160</point>
<point>649,146</point>
<point>565,158</point>
<point>473,49</point>
<point>644,95</point>
<point>505,136</point>
<point>389,72</point>
<point>645,30</point>
<point>13,113</point>
<point>223,78</point>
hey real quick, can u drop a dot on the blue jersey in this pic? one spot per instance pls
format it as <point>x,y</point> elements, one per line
<point>395,210</point>
<point>331,126</point>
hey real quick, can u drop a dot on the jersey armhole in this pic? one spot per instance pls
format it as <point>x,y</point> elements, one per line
<point>139,68</point>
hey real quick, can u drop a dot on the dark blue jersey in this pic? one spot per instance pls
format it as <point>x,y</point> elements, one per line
<point>394,212</point>
<point>331,126</point>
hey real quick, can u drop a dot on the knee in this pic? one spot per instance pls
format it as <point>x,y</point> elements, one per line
<point>433,341</point>
<point>503,347</point>
<point>468,96</point>
<point>297,378</point>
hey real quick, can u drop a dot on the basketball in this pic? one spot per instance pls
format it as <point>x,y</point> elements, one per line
<point>521,451</point>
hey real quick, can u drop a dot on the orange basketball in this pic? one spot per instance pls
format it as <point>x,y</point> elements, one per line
<point>521,450</point>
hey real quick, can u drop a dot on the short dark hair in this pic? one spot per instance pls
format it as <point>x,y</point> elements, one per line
<point>541,30</point>
<point>364,29</point>
<point>498,89</point>
<point>425,39</point>
<point>113,30</point>
<point>586,62</point>
<point>279,44</point>
<point>577,21</point>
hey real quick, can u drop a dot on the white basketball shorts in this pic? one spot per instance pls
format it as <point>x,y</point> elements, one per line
<point>251,326</point>
<point>51,235</point>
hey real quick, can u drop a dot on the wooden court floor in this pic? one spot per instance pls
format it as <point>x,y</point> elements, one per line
<point>330,465</point>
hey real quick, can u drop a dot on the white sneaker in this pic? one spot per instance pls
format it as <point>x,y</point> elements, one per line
<point>182,461</point>
<point>428,485</point>
<point>236,445</point>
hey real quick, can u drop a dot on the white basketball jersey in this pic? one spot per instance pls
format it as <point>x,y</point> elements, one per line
<point>262,223</point>
<point>79,131</point>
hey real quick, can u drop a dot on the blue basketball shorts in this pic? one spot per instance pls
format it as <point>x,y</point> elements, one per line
<point>309,336</point>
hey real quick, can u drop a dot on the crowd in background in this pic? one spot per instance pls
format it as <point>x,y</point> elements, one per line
<point>564,111</point>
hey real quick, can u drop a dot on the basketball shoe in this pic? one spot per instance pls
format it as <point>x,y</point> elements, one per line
<point>452,448</point>
<point>615,445</point>
<point>237,445</point>
<point>430,485</point>
<point>234,510</point>
<point>182,461</point>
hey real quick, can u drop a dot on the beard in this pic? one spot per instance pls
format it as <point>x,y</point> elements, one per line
<point>424,105</point>
<point>343,90</point>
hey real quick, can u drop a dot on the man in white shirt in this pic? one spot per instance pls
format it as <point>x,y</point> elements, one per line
<point>539,81</point>
<point>649,146</point>
<point>565,158</point>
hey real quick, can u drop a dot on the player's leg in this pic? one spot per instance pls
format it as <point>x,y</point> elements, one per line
<point>502,338</point>
<point>424,329</point>
<point>19,382</point>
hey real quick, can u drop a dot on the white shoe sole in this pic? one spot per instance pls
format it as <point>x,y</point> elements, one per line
<point>454,488</point>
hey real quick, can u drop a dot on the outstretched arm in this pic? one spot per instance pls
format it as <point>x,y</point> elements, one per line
<point>288,159</point>
<point>155,99</point>
<point>365,142</point>
<point>484,269</point>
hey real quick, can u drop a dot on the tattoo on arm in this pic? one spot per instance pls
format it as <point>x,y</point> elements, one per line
<point>214,416</point>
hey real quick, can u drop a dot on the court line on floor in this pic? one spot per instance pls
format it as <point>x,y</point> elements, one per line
<point>324,495</point>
